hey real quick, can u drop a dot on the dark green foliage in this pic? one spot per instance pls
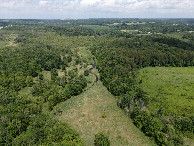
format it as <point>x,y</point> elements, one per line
<point>69,59</point>
<point>161,138</point>
<point>86,72</point>
<point>189,36</point>
<point>163,134</point>
<point>29,81</point>
<point>77,61</point>
<point>41,77</point>
<point>64,66</point>
<point>54,74</point>
<point>62,81</point>
<point>15,116</point>
<point>183,124</point>
<point>135,98</point>
<point>45,130</point>
<point>77,85</point>
<point>72,74</point>
<point>101,140</point>
<point>178,140</point>
<point>12,81</point>
<point>174,43</point>
<point>152,126</point>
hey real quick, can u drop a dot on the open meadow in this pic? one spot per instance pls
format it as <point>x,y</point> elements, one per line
<point>170,89</point>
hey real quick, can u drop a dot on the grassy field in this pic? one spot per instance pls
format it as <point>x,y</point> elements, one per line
<point>132,23</point>
<point>169,88</point>
<point>85,114</point>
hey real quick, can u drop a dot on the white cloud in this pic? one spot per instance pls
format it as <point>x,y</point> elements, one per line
<point>89,2</point>
<point>43,3</point>
<point>140,8</point>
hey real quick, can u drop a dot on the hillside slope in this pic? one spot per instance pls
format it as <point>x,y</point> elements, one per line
<point>84,113</point>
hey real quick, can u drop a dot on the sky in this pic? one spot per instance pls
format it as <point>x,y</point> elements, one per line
<point>83,9</point>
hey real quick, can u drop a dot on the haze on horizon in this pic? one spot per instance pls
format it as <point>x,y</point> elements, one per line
<point>78,9</point>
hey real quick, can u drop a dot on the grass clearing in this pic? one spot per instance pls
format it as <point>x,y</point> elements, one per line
<point>84,114</point>
<point>169,88</point>
<point>139,23</point>
<point>27,91</point>
<point>46,75</point>
<point>132,23</point>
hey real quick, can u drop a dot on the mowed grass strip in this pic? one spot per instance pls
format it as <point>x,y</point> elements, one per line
<point>84,113</point>
<point>169,88</point>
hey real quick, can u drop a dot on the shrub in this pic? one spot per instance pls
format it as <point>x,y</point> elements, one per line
<point>101,140</point>
<point>29,81</point>
<point>136,112</point>
<point>169,129</point>
<point>161,138</point>
<point>183,124</point>
<point>86,72</point>
<point>178,140</point>
<point>71,140</point>
<point>104,114</point>
<point>138,121</point>
<point>152,126</point>
<point>54,74</point>
<point>41,77</point>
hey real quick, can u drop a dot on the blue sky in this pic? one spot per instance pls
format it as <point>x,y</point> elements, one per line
<point>61,9</point>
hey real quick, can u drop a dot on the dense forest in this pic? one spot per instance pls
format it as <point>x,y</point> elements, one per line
<point>40,67</point>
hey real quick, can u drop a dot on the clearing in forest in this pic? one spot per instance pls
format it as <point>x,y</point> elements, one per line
<point>170,89</point>
<point>85,114</point>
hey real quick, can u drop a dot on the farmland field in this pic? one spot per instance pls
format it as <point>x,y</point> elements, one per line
<point>169,88</point>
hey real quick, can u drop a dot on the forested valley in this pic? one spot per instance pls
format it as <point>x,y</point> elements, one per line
<point>146,64</point>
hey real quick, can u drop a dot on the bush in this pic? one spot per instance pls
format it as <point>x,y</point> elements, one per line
<point>86,72</point>
<point>29,81</point>
<point>41,77</point>
<point>54,74</point>
<point>183,124</point>
<point>101,140</point>
<point>136,112</point>
<point>71,140</point>
<point>161,138</point>
<point>152,126</point>
<point>138,121</point>
<point>178,140</point>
